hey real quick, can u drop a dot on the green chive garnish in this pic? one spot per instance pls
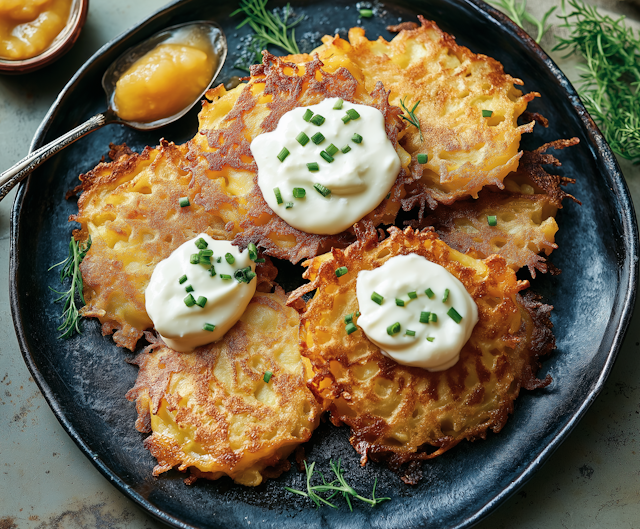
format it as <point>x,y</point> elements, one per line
<point>430,338</point>
<point>212,271</point>
<point>208,327</point>
<point>433,317</point>
<point>267,376</point>
<point>341,271</point>
<point>352,113</point>
<point>338,104</point>
<point>299,192</point>
<point>225,276</point>
<point>422,158</point>
<point>388,195</point>
<point>184,202</point>
<point>317,120</point>
<point>377,298</point>
<point>302,138</point>
<point>326,156</point>
<point>189,301</point>
<point>348,318</point>
<point>276,191</point>
<point>453,314</point>
<point>201,244</point>
<point>313,166</point>
<point>202,301</point>
<point>288,205</point>
<point>399,302</point>
<point>206,252</point>
<point>357,313</point>
<point>356,138</point>
<point>229,258</point>
<point>219,260</point>
<point>332,150</point>
<point>366,13</point>
<point>182,279</point>
<point>194,258</point>
<point>487,113</point>
<point>445,296</point>
<point>350,327</point>
<point>317,138</point>
<point>253,251</point>
<point>204,259</point>
<point>429,293</point>
<point>307,115</point>
<point>424,317</point>
<point>410,333</point>
<point>188,288</point>
<point>393,329</point>
<point>412,295</point>
<point>283,154</point>
<point>492,220</point>
<point>346,118</point>
<point>261,260</point>
<point>325,192</point>
<point>346,149</point>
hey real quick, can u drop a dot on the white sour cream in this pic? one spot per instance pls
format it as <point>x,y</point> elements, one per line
<point>181,326</point>
<point>398,277</point>
<point>358,180</point>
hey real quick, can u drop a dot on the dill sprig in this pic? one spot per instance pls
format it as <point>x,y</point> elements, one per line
<point>519,14</point>
<point>411,118</point>
<point>337,486</point>
<point>610,81</point>
<point>269,27</point>
<point>71,269</point>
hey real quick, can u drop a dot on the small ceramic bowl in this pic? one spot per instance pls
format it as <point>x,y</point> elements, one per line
<point>60,45</point>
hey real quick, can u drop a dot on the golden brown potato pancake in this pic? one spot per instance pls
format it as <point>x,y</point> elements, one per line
<point>211,410</point>
<point>401,413</point>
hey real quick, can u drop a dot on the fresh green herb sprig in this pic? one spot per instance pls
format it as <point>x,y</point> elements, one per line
<point>269,27</point>
<point>411,117</point>
<point>610,80</point>
<point>517,12</point>
<point>335,487</point>
<point>71,269</point>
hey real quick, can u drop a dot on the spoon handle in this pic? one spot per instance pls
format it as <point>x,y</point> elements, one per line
<point>11,177</point>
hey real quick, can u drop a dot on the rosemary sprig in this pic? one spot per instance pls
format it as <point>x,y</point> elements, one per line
<point>411,118</point>
<point>337,486</point>
<point>269,27</point>
<point>71,269</point>
<point>519,14</point>
<point>610,83</point>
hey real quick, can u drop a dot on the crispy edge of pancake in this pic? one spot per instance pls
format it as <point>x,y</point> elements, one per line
<point>513,332</point>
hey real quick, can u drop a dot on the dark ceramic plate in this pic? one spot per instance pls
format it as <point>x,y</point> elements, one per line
<point>85,378</point>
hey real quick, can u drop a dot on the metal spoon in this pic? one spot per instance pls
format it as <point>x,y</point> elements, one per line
<point>11,177</point>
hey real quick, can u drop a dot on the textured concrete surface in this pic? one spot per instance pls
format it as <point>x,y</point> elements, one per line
<point>593,480</point>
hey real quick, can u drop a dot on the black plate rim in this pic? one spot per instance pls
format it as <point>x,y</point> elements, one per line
<point>629,270</point>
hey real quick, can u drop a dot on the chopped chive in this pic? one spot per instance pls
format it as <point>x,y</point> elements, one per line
<point>433,317</point>
<point>338,104</point>
<point>188,288</point>
<point>325,192</point>
<point>332,150</point>
<point>189,301</point>
<point>253,251</point>
<point>244,275</point>
<point>453,314</point>
<point>422,158</point>
<point>393,329</point>
<point>357,313</point>
<point>184,202</point>
<point>352,113</point>
<point>288,205</point>
<point>356,138</point>
<point>276,191</point>
<point>225,276</point>
<point>350,327</point>
<point>346,118</point>
<point>430,338</point>
<point>307,115</point>
<point>341,271</point>
<point>348,318</point>
<point>388,195</point>
<point>313,166</point>
<point>424,317</point>
<point>194,258</point>
<point>377,298</point>
<point>202,301</point>
<point>399,302</point>
<point>182,279</point>
<point>317,120</point>
<point>206,252</point>
<point>267,376</point>
<point>250,275</point>
<point>212,271</point>
<point>317,138</point>
<point>299,192</point>
<point>204,259</point>
<point>219,260</point>
<point>346,149</point>
<point>302,139</point>
<point>410,333</point>
<point>412,295</point>
<point>208,327</point>
<point>366,13</point>
<point>487,113</point>
<point>283,154</point>
<point>429,293</point>
<point>326,156</point>
<point>261,260</point>
<point>201,244</point>
<point>445,296</point>
<point>229,258</point>
<point>492,220</point>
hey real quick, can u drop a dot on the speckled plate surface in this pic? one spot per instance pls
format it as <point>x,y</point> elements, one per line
<point>85,378</point>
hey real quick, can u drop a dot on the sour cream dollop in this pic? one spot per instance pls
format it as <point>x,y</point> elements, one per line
<point>436,345</point>
<point>185,327</point>
<point>359,172</point>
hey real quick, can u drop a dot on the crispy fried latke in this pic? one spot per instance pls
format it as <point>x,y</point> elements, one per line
<point>399,413</point>
<point>466,151</point>
<point>211,410</point>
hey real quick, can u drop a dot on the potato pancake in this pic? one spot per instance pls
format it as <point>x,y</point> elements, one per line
<point>215,412</point>
<point>399,413</point>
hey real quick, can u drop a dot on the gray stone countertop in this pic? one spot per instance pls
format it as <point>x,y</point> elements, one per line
<point>592,480</point>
